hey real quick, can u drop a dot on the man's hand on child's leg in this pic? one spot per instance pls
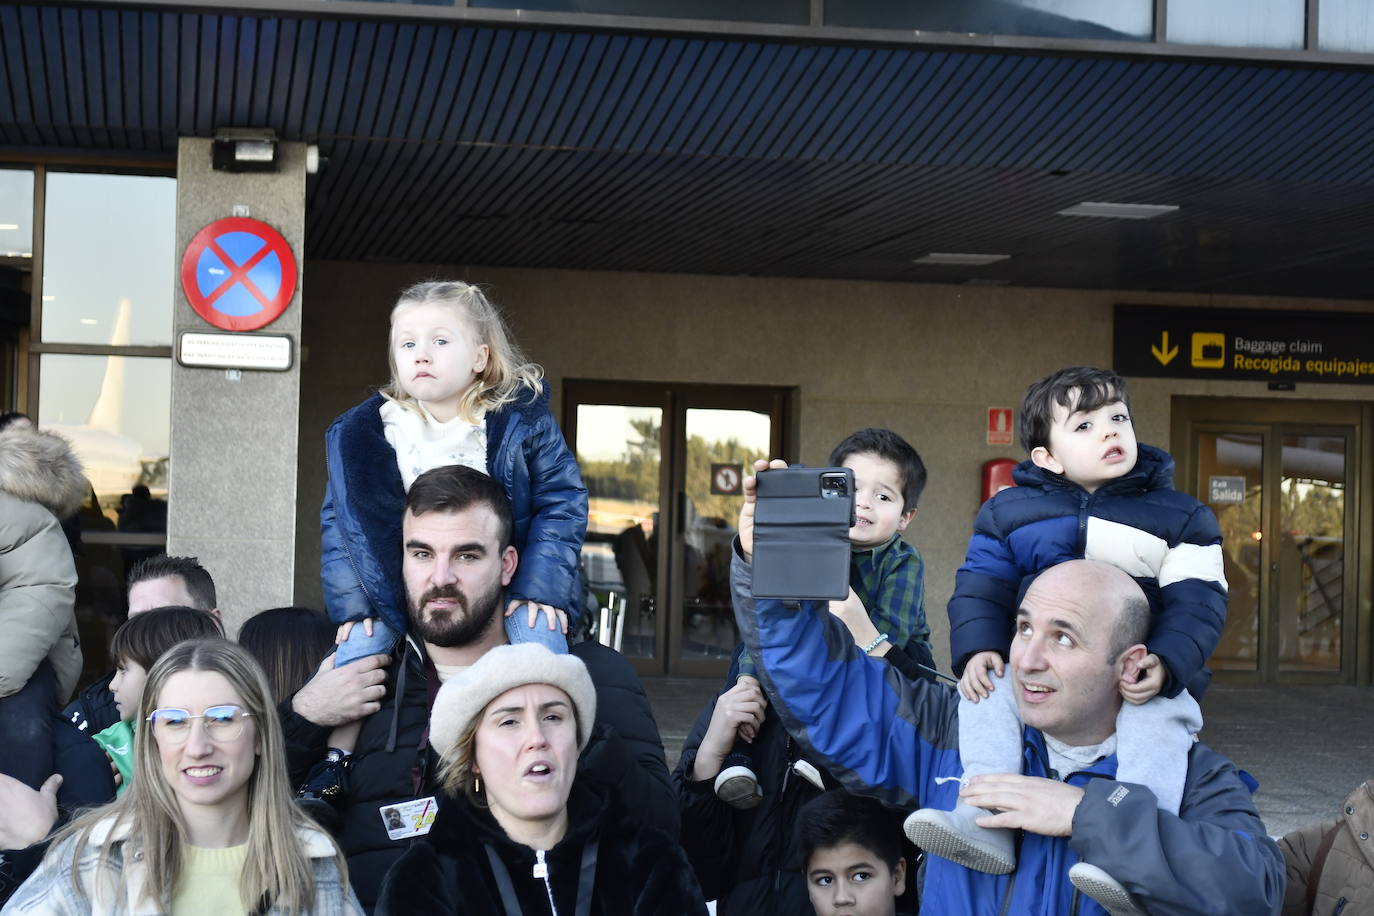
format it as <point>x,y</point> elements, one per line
<point>1149,682</point>
<point>975,684</point>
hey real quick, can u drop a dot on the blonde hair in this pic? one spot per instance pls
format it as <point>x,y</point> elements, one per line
<point>507,370</point>
<point>276,871</point>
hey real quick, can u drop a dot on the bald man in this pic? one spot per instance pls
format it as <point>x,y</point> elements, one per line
<point>1080,633</point>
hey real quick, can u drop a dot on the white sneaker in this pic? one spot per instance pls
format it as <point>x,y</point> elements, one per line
<point>738,787</point>
<point>953,835</point>
<point>1113,897</point>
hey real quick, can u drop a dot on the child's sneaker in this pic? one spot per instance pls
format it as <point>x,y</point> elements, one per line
<point>1093,882</point>
<point>953,835</point>
<point>738,787</point>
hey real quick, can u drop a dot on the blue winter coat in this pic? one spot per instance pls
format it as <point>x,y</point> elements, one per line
<point>883,735</point>
<point>360,522</point>
<point>1138,523</point>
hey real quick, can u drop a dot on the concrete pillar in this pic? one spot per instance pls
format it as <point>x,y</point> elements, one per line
<point>232,481</point>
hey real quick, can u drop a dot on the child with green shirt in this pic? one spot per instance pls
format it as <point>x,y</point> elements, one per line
<point>885,610</point>
<point>136,645</point>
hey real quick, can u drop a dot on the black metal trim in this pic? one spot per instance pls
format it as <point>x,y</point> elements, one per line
<point>722,29</point>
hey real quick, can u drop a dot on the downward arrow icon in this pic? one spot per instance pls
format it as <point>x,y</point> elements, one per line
<point>1164,353</point>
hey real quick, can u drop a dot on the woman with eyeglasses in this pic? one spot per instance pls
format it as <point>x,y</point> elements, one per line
<point>208,826</point>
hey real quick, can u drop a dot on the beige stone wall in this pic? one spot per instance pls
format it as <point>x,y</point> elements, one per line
<point>924,360</point>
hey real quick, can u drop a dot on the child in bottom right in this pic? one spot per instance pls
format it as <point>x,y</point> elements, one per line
<point>1088,490</point>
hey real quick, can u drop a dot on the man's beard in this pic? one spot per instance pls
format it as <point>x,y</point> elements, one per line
<point>459,626</point>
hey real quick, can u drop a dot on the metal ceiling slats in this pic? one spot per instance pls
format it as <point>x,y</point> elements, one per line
<point>709,118</point>
<point>219,103</point>
<point>679,86</point>
<point>1285,110</point>
<point>1008,115</point>
<point>976,107</point>
<point>1081,138</point>
<point>1345,138</point>
<point>688,77</point>
<point>492,92</point>
<point>519,71</point>
<point>357,94</point>
<point>541,95</point>
<point>1294,145</point>
<point>809,67</point>
<point>1204,128</point>
<point>88,40</point>
<point>939,91</point>
<point>869,89</point>
<point>868,125</point>
<point>407,106</point>
<point>140,42</point>
<point>59,111</point>
<point>1154,86</point>
<point>15,106</point>
<point>750,98</point>
<point>1027,141</point>
<point>332,87</point>
<point>637,70</point>
<point>816,113</point>
<point>866,72</point>
<point>1243,125</point>
<point>103,30</point>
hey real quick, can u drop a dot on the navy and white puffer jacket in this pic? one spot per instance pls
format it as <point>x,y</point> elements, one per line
<point>1139,523</point>
<point>360,521</point>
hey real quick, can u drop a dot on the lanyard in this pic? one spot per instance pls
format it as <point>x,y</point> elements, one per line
<point>585,882</point>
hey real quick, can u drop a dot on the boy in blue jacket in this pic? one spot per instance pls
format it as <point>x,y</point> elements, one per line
<point>1088,491</point>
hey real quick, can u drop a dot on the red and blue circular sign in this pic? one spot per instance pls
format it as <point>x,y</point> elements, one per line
<point>238,274</point>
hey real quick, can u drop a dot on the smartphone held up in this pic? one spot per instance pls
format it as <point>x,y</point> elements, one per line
<point>801,533</point>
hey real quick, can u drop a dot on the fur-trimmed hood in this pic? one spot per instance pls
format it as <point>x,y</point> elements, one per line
<point>40,467</point>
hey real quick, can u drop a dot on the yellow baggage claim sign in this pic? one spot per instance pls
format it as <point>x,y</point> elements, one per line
<point>1252,344</point>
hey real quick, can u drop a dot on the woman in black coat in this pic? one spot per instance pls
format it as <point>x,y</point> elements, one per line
<point>514,834</point>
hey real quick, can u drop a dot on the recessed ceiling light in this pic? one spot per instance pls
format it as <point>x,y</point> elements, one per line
<point>956,259</point>
<point>89,321</point>
<point>1118,211</point>
<point>8,227</point>
<point>49,298</point>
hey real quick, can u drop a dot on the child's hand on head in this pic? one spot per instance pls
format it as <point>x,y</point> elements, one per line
<point>975,684</point>
<point>556,618</point>
<point>1148,683</point>
<point>345,628</point>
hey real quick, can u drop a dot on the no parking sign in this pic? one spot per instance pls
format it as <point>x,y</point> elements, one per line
<point>238,274</point>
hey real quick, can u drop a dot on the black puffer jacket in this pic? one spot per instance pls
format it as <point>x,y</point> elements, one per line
<point>394,763</point>
<point>94,708</point>
<point>638,870</point>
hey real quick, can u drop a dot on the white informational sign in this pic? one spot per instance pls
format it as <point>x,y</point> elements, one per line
<point>1225,491</point>
<point>270,352</point>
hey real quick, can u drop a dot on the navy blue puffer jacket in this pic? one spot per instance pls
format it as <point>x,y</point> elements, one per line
<point>1139,523</point>
<point>360,522</point>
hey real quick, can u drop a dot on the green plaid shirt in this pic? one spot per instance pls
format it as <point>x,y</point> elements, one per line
<point>890,581</point>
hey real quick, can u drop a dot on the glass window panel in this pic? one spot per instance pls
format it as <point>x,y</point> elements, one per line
<point>1120,20</point>
<point>16,213</point>
<point>1238,23</point>
<point>1311,553</point>
<point>619,450</point>
<point>795,12</point>
<point>714,437</point>
<point>108,259</point>
<point>1229,474</point>
<point>116,411</point>
<point>1346,25</point>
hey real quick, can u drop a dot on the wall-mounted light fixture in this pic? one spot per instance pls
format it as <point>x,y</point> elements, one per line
<point>245,150</point>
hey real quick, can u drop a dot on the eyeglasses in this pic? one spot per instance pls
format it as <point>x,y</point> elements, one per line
<point>221,723</point>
